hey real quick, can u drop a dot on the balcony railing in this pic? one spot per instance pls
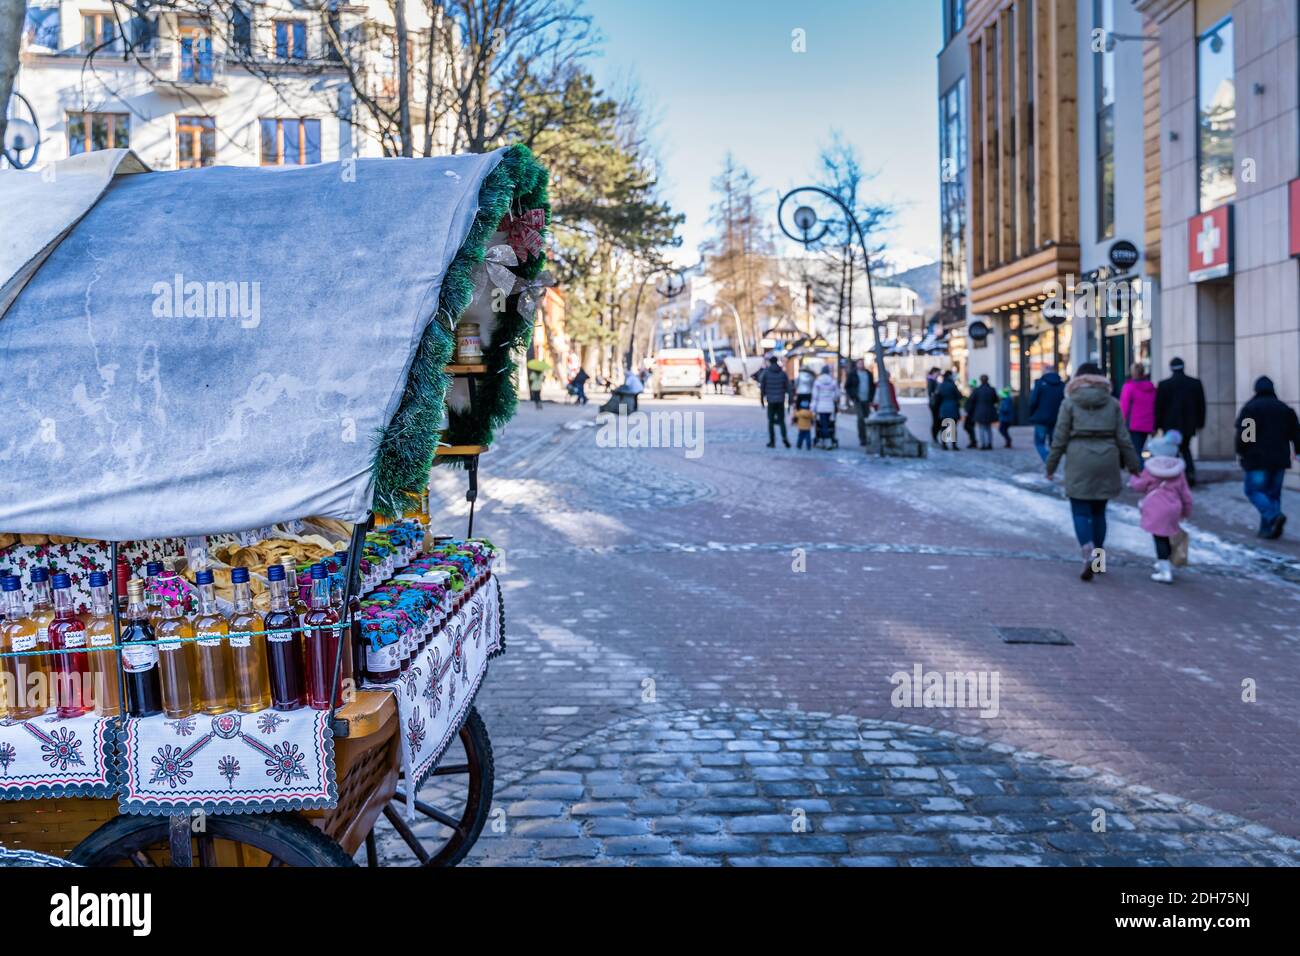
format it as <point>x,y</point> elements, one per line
<point>196,71</point>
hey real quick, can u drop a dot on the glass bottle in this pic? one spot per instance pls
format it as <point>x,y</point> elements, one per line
<point>178,657</point>
<point>252,685</point>
<point>284,652</point>
<point>69,667</point>
<point>216,665</point>
<point>140,670</point>
<point>43,614</point>
<point>122,573</point>
<point>25,691</point>
<point>322,642</point>
<point>151,597</point>
<point>99,634</point>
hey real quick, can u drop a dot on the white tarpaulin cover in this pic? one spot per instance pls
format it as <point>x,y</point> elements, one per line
<point>215,349</point>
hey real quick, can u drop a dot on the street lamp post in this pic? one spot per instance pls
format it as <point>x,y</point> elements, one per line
<point>889,425</point>
<point>676,285</point>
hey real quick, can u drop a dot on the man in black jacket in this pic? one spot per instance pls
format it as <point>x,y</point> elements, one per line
<point>1180,406</point>
<point>1267,434</point>
<point>773,386</point>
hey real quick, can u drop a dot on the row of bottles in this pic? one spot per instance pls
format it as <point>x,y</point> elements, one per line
<point>172,664</point>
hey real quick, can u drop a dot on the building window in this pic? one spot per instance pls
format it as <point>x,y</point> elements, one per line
<point>952,189</point>
<point>98,32</point>
<point>1216,114</point>
<point>196,55</point>
<point>241,31</point>
<point>1104,90</point>
<point>291,39</point>
<point>332,36</point>
<point>90,131</point>
<point>290,142</point>
<point>196,141</point>
<point>954,18</point>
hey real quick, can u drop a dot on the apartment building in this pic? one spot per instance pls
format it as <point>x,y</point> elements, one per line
<point>262,85</point>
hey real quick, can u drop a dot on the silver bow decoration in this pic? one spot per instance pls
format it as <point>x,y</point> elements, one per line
<point>531,292</point>
<point>498,262</point>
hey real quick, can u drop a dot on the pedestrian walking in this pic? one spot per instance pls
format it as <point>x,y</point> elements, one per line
<point>724,378</point>
<point>803,384</point>
<point>1137,400</point>
<point>971,441</point>
<point>536,379</point>
<point>579,385</point>
<point>825,400</point>
<point>1006,416</point>
<point>948,396</point>
<point>1044,403</point>
<point>715,379</point>
<point>860,386</point>
<point>1268,433</point>
<point>932,381</point>
<point>773,385</point>
<point>803,423</point>
<point>982,406</point>
<point>1091,435</point>
<point>1180,407</point>
<point>1167,499</point>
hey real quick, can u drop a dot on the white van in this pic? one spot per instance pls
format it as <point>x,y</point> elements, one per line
<point>679,370</point>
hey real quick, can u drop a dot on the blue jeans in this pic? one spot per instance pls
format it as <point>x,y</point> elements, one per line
<point>1043,442</point>
<point>1264,489</point>
<point>805,439</point>
<point>985,433</point>
<point>1089,520</point>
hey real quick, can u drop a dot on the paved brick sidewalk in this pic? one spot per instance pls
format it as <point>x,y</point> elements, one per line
<point>630,569</point>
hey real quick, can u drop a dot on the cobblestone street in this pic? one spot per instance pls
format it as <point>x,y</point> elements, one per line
<point>700,650</point>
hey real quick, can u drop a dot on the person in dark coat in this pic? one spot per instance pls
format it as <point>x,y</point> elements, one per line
<point>1180,407</point>
<point>1006,415</point>
<point>983,408</point>
<point>579,384</point>
<point>1268,433</point>
<point>774,386</point>
<point>948,399</point>
<point>932,380</point>
<point>1044,404</point>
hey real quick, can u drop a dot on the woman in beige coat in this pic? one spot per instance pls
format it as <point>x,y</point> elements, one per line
<point>1091,434</point>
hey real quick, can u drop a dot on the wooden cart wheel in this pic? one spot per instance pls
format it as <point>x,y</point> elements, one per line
<point>459,798</point>
<point>245,840</point>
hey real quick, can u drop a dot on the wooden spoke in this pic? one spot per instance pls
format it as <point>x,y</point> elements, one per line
<point>395,820</point>
<point>451,770</point>
<point>445,819</point>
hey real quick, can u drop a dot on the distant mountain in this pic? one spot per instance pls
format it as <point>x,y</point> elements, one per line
<point>923,280</point>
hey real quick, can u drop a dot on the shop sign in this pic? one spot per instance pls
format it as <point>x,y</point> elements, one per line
<point>978,331</point>
<point>1124,255</point>
<point>1209,244</point>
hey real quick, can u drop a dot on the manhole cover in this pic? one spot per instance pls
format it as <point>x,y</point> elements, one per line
<point>1032,635</point>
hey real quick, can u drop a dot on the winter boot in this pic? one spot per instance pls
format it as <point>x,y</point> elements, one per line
<point>1086,550</point>
<point>1164,573</point>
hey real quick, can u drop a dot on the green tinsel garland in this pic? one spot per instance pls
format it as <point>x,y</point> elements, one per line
<point>404,452</point>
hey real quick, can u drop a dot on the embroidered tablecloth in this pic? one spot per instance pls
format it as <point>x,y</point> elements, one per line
<point>53,757</point>
<point>231,763</point>
<point>435,693</point>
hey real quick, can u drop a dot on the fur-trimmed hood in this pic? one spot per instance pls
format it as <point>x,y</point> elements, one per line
<point>1163,466</point>
<point>1090,391</point>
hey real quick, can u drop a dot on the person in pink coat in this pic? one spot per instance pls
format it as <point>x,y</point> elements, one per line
<point>1137,402</point>
<point>1167,500</point>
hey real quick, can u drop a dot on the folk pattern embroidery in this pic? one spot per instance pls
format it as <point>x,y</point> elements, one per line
<point>228,767</point>
<point>7,754</point>
<point>60,749</point>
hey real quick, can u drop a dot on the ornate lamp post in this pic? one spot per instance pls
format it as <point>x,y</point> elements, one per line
<point>675,285</point>
<point>886,424</point>
<point>21,136</point>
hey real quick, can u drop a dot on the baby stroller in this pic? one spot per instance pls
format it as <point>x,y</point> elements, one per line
<point>826,433</point>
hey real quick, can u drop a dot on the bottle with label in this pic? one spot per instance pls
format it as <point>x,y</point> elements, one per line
<point>99,634</point>
<point>216,665</point>
<point>322,643</point>
<point>178,658</point>
<point>151,572</point>
<point>70,667</point>
<point>252,685</point>
<point>122,574</point>
<point>284,653</point>
<point>25,693</point>
<point>43,614</point>
<point>140,671</point>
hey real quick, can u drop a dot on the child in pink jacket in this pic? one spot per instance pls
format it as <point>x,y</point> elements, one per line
<point>1137,402</point>
<point>1168,499</point>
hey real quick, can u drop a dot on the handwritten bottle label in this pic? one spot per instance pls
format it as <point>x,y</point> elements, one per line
<point>141,657</point>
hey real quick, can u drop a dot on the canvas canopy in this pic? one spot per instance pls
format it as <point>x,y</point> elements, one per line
<point>222,349</point>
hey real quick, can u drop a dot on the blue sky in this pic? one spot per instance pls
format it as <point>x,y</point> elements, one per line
<point>720,74</point>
